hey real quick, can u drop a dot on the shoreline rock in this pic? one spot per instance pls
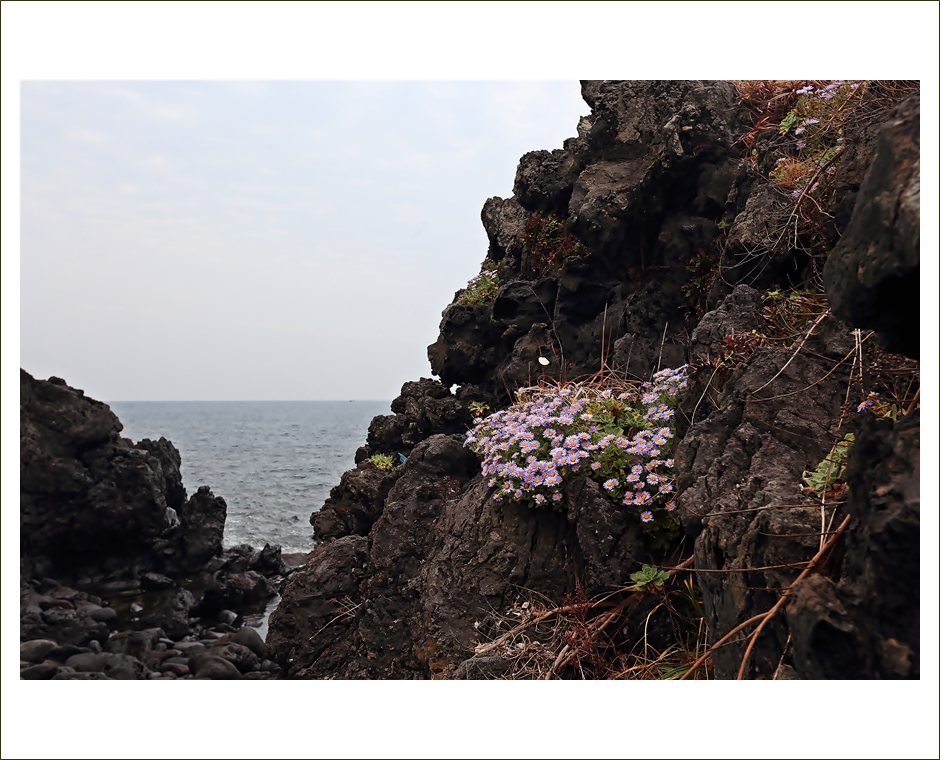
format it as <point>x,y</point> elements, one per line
<point>118,566</point>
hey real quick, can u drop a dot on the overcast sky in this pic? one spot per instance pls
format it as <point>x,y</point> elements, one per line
<point>260,240</point>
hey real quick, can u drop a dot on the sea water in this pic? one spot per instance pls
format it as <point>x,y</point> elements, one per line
<point>274,462</point>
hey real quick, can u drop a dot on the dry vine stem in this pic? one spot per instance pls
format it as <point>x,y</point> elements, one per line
<point>484,648</point>
<point>817,382</point>
<point>802,342</point>
<point>766,617</point>
<point>777,607</point>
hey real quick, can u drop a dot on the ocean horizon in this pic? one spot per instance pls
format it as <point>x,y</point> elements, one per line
<point>274,462</point>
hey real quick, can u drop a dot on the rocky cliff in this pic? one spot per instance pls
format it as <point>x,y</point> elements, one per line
<point>121,575</point>
<point>670,231</point>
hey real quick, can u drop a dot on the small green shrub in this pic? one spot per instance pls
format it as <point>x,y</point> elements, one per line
<point>649,576</point>
<point>547,243</point>
<point>383,461</point>
<point>483,287</point>
<point>831,470</point>
<point>478,409</point>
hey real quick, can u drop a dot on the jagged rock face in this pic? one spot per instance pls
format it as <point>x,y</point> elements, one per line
<point>866,621</point>
<point>642,186</point>
<point>741,465</point>
<point>394,590</point>
<point>423,408</point>
<point>873,274</point>
<point>355,504</point>
<point>95,505</point>
<point>441,555</point>
<point>652,149</point>
<point>504,222</point>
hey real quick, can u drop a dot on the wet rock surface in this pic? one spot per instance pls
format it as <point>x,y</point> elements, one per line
<point>70,645</point>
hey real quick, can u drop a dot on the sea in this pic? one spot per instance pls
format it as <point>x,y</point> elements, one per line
<point>274,462</point>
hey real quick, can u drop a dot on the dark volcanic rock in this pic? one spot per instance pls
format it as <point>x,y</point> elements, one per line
<point>91,502</point>
<point>96,506</point>
<point>307,628</point>
<point>35,651</point>
<point>677,224</point>
<point>866,622</point>
<point>504,221</point>
<point>171,613</point>
<point>204,519</point>
<point>215,668</point>
<point>748,451</point>
<point>873,275</point>
<point>651,149</point>
<point>404,619</point>
<point>355,504</point>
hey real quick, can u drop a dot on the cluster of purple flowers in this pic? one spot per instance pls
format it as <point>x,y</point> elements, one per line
<point>816,143</point>
<point>828,92</point>
<point>551,434</point>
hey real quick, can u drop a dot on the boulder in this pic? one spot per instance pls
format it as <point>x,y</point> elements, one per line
<point>873,274</point>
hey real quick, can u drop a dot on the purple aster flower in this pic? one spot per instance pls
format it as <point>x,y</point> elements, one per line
<point>646,516</point>
<point>611,484</point>
<point>868,402</point>
<point>671,506</point>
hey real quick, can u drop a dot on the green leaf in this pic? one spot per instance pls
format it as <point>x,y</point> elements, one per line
<point>789,122</point>
<point>832,468</point>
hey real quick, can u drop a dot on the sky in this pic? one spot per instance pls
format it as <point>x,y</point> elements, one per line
<point>260,240</point>
<point>262,201</point>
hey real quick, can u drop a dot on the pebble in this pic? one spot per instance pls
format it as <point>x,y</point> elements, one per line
<point>36,650</point>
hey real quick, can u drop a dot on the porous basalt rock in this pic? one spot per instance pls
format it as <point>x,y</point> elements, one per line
<point>740,468</point>
<point>656,185</point>
<point>430,541</point>
<point>865,621</point>
<point>873,274</point>
<point>92,503</point>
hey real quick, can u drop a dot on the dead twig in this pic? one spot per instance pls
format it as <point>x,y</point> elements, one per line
<point>769,615</point>
<point>797,351</point>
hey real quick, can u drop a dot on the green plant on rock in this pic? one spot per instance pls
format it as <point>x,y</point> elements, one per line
<point>649,576</point>
<point>383,461</point>
<point>817,122</point>
<point>828,476</point>
<point>478,409</point>
<point>546,243</point>
<point>483,287</point>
